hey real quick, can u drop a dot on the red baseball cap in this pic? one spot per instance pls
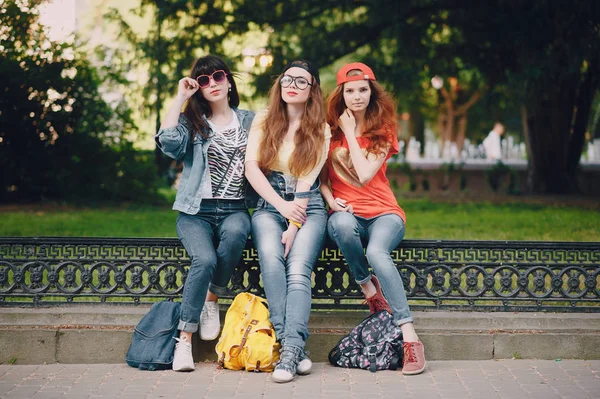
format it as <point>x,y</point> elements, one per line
<point>367,73</point>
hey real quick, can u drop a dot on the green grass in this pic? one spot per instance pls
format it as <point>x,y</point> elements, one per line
<point>513,221</point>
<point>426,220</point>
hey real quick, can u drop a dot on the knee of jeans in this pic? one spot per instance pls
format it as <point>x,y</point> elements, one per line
<point>271,264</point>
<point>204,259</point>
<point>374,253</point>
<point>299,281</point>
<point>341,223</point>
<point>239,230</point>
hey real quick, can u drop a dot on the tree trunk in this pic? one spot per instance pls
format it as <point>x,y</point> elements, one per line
<point>583,109</point>
<point>548,124</point>
<point>461,132</point>
<point>448,127</point>
<point>416,127</point>
<point>158,155</point>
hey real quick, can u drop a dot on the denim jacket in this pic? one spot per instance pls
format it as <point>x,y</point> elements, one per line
<point>176,143</point>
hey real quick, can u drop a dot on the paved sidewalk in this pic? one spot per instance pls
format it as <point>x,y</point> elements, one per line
<point>443,379</point>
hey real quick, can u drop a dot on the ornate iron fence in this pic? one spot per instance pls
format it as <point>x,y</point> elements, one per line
<point>454,275</point>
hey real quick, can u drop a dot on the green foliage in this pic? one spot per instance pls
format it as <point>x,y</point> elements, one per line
<point>539,57</point>
<point>407,170</point>
<point>58,137</point>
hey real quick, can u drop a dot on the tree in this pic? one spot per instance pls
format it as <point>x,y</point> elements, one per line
<point>546,52</point>
<point>58,137</point>
<point>453,111</point>
<point>182,30</point>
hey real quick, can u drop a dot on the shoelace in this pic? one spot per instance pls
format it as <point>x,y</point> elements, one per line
<point>208,312</point>
<point>409,353</point>
<point>303,355</point>
<point>376,302</point>
<point>287,358</point>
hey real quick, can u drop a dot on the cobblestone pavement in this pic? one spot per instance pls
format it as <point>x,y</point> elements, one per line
<point>443,379</point>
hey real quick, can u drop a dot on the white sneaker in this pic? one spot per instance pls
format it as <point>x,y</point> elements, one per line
<point>210,323</point>
<point>304,364</point>
<point>183,360</point>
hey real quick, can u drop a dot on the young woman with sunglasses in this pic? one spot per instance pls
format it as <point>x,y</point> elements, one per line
<point>210,136</point>
<point>363,207</point>
<point>287,148</point>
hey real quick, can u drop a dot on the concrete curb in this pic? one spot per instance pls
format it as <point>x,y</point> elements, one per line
<point>102,334</point>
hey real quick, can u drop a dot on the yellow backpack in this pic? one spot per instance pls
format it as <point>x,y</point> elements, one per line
<point>248,339</point>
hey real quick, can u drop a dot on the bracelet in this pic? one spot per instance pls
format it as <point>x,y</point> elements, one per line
<point>298,225</point>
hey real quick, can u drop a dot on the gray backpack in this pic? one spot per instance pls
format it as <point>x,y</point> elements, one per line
<point>152,345</point>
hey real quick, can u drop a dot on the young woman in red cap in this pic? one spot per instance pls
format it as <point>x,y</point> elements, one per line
<point>363,208</point>
<point>287,148</point>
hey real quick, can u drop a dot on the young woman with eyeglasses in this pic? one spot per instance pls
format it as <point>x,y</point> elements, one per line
<point>287,148</point>
<point>210,136</point>
<point>363,208</point>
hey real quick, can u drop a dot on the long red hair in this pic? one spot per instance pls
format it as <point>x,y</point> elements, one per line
<point>380,119</point>
<point>308,139</point>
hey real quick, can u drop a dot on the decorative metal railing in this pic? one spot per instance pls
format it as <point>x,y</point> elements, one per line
<point>454,275</point>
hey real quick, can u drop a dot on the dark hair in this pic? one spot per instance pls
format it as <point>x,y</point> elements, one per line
<point>307,66</point>
<point>197,109</point>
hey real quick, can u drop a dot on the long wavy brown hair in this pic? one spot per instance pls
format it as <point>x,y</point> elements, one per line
<point>308,139</point>
<point>380,119</point>
<point>197,108</point>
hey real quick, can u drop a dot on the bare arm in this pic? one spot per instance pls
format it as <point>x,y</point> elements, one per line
<point>335,204</point>
<point>325,189</point>
<point>366,166</point>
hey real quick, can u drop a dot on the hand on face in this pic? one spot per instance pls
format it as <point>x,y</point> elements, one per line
<point>347,122</point>
<point>187,87</point>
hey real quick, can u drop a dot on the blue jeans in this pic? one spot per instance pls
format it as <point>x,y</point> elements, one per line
<point>381,234</point>
<point>288,281</point>
<point>214,239</point>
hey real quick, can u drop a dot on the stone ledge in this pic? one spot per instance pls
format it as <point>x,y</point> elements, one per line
<point>102,334</point>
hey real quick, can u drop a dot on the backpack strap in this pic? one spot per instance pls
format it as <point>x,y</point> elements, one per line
<point>237,349</point>
<point>371,352</point>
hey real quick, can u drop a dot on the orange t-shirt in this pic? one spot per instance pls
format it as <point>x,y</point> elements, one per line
<point>368,200</point>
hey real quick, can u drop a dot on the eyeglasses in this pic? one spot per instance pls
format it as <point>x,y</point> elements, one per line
<point>301,83</point>
<point>219,76</point>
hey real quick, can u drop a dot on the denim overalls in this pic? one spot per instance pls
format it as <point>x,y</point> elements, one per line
<point>287,281</point>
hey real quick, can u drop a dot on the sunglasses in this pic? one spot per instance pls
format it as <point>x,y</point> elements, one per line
<point>219,76</point>
<point>301,83</point>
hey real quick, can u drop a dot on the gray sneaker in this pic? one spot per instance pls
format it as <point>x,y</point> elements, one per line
<point>304,363</point>
<point>285,371</point>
